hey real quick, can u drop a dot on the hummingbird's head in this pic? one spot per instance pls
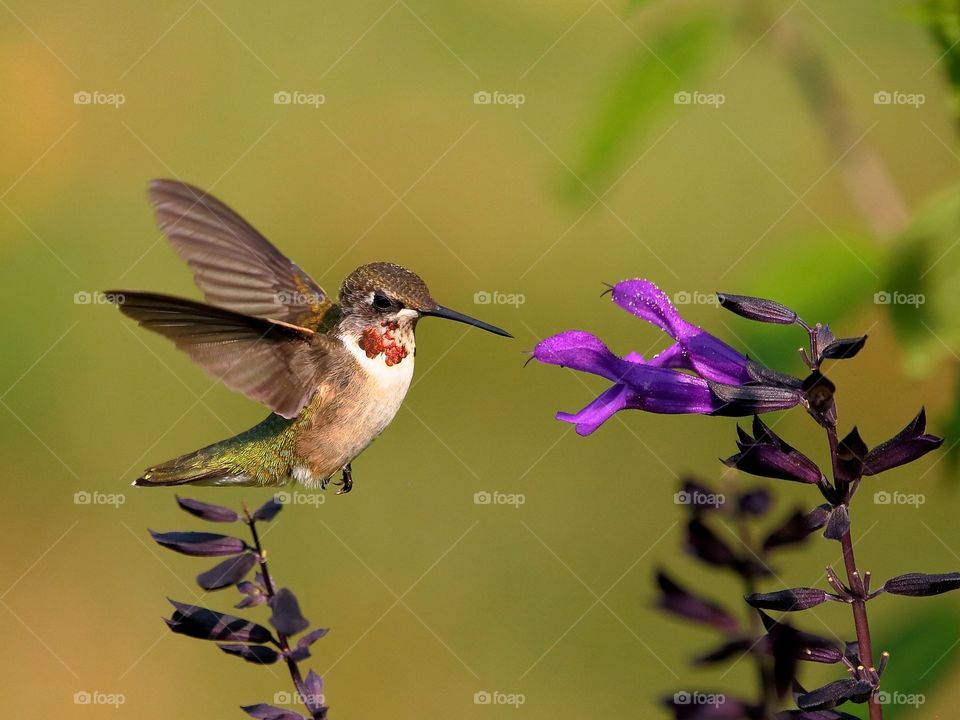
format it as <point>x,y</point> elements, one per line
<point>387,295</point>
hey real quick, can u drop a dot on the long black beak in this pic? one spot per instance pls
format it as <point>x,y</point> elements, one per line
<point>442,312</point>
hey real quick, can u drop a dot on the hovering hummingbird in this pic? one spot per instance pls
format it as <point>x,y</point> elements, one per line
<point>333,374</point>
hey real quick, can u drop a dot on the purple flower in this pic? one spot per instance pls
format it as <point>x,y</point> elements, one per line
<point>698,373</point>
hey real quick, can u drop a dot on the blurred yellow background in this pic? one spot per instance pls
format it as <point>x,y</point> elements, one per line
<point>383,153</point>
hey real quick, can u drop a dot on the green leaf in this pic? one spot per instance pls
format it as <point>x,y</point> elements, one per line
<point>943,23</point>
<point>915,647</point>
<point>921,284</point>
<point>641,90</point>
<point>796,274</point>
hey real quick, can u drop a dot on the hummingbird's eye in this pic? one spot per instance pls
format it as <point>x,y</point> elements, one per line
<point>382,302</point>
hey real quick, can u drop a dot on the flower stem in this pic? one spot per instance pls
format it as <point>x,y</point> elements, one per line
<point>284,641</point>
<point>858,589</point>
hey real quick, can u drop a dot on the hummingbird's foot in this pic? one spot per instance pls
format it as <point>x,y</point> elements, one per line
<point>346,480</point>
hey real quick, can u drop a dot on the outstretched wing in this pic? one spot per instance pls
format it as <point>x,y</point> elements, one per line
<point>233,264</point>
<point>273,362</point>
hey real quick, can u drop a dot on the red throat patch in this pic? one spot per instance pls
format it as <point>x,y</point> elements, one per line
<point>375,343</point>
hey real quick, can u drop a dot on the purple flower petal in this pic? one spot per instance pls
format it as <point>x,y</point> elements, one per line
<point>701,352</point>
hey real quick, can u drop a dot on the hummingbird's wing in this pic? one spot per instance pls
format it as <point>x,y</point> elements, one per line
<point>270,361</point>
<point>233,264</point>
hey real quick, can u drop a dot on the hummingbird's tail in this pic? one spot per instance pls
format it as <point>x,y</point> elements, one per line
<point>259,456</point>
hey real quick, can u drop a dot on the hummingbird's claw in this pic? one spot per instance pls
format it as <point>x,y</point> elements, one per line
<point>346,480</point>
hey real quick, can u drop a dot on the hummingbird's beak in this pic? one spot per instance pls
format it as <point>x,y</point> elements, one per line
<point>442,312</point>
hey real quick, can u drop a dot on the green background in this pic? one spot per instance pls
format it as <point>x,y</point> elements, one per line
<point>430,597</point>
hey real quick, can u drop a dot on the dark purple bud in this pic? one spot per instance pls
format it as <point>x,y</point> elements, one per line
<point>922,584</point>
<point>762,375</point>
<point>794,530</point>
<point>739,400</point>
<point>268,511</point>
<point>801,598</point>
<point>818,517</point>
<point>269,712</point>
<point>679,601</point>
<point>286,617</point>
<point>255,595</point>
<point>699,705</point>
<point>259,654</point>
<point>908,445</point>
<point>843,349</point>
<point>311,637</point>
<point>200,544</point>
<point>703,543</point>
<point>809,647</point>
<point>818,393</point>
<point>755,502</point>
<point>213,513</point>
<point>814,715</point>
<point>758,309</point>
<point>851,452</point>
<point>835,693</point>
<point>208,624</point>
<point>838,524</point>
<point>229,572</point>
<point>313,698</point>
<point>767,455</point>
<point>726,651</point>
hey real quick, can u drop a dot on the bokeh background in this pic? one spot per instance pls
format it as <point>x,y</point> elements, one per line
<point>785,173</point>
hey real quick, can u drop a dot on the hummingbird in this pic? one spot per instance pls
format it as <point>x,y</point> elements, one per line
<point>333,374</point>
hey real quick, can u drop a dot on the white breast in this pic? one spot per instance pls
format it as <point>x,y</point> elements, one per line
<point>391,381</point>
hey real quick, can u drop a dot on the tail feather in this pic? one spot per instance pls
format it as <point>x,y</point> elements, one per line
<point>256,457</point>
